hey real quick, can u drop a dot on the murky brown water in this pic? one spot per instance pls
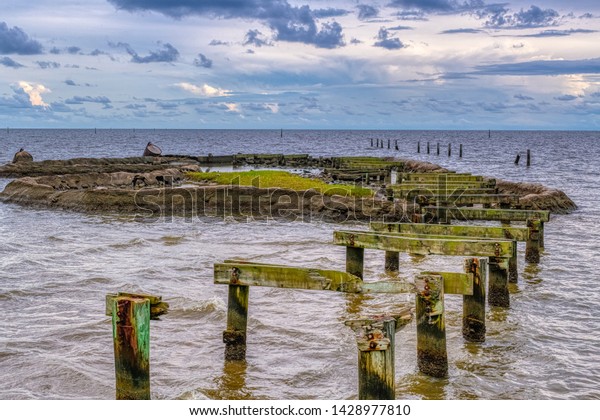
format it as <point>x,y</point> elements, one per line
<point>56,268</point>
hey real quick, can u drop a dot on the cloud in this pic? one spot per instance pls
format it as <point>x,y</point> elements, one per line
<point>256,38</point>
<point>461,31</point>
<point>566,98</point>
<point>15,41</point>
<point>78,100</point>
<point>34,91</point>
<point>289,23</point>
<point>69,82</point>
<point>203,61</point>
<point>216,42</point>
<point>9,62</point>
<point>73,50</point>
<point>366,12</point>
<point>385,40</point>
<point>168,54</point>
<point>499,17</point>
<point>425,5</point>
<point>558,32</point>
<point>523,97</point>
<point>541,68</point>
<point>48,64</point>
<point>204,90</point>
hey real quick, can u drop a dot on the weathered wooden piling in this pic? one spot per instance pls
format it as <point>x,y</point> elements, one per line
<point>427,147</point>
<point>234,336</point>
<point>396,144</point>
<point>513,269</point>
<point>498,282</point>
<point>131,339</point>
<point>432,357</point>
<point>449,149</point>
<point>532,249</point>
<point>473,328</point>
<point>355,258</point>
<point>418,147</point>
<point>460,150</point>
<point>528,157</point>
<point>438,149</point>
<point>517,159</point>
<point>389,143</point>
<point>371,142</point>
<point>392,261</point>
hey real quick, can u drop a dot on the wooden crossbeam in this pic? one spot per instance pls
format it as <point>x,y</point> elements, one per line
<point>520,234</point>
<point>464,199</point>
<point>423,246</point>
<point>245,273</point>
<point>449,191</point>
<point>470,213</point>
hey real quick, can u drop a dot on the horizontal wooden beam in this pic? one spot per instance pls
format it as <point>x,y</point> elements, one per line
<point>423,246</point>
<point>449,191</point>
<point>444,184</point>
<point>520,234</point>
<point>455,283</point>
<point>244,273</point>
<point>470,213</point>
<point>463,199</point>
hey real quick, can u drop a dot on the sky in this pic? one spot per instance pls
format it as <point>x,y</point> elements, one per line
<point>339,64</point>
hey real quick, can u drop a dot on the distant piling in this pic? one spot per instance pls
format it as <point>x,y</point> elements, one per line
<point>396,144</point>
<point>460,150</point>
<point>427,147</point>
<point>438,149</point>
<point>517,159</point>
<point>371,142</point>
<point>449,149</point>
<point>528,157</point>
<point>389,143</point>
<point>418,147</point>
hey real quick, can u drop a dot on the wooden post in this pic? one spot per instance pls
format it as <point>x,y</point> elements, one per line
<point>432,357</point>
<point>396,143</point>
<point>381,144</point>
<point>449,149</point>
<point>371,142</point>
<point>513,270</point>
<point>234,336</point>
<point>438,149</point>
<point>541,234</point>
<point>389,143</point>
<point>473,329</point>
<point>131,339</point>
<point>498,282</point>
<point>528,157</point>
<point>517,159</point>
<point>376,371</point>
<point>532,246</point>
<point>460,150</point>
<point>418,147</point>
<point>392,261</point>
<point>355,261</point>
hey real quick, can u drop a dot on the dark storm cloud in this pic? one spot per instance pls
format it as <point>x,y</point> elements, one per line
<point>289,23</point>
<point>168,54</point>
<point>366,12</point>
<point>256,38</point>
<point>386,41</point>
<point>541,68</point>
<point>203,61</point>
<point>9,62</point>
<point>15,41</point>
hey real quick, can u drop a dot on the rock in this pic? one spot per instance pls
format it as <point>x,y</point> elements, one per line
<point>22,156</point>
